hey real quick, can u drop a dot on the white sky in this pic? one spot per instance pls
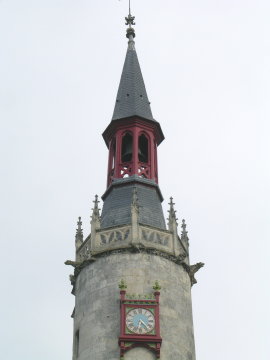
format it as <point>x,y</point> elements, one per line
<point>206,66</point>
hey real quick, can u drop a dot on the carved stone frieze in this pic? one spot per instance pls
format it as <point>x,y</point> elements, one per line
<point>112,236</point>
<point>154,236</point>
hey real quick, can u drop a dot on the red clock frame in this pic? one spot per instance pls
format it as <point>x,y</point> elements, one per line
<point>128,341</point>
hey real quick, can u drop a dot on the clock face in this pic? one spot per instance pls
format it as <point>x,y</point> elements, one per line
<point>140,321</point>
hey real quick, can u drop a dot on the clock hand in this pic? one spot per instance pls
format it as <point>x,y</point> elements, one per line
<point>143,323</point>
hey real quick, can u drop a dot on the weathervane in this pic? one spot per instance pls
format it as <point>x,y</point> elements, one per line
<point>130,31</point>
<point>130,18</point>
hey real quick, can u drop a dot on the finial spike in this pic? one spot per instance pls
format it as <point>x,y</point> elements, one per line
<point>79,230</point>
<point>96,209</point>
<point>184,233</point>
<point>79,233</point>
<point>172,211</point>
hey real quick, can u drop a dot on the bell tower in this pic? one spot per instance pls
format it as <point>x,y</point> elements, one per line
<point>132,277</point>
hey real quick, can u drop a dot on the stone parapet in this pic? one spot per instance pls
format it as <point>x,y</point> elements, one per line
<point>121,237</point>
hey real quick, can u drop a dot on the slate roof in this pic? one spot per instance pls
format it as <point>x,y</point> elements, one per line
<point>132,98</point>
<point>117,204</point>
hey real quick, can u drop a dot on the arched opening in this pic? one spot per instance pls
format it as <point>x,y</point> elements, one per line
<point>113,155</point>
<point>143,149</point>
<point>139,353</point>
<point>126,151</point>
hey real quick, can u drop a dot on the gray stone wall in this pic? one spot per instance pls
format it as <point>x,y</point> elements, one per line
<point>97,312</point>
<point>139,354</point>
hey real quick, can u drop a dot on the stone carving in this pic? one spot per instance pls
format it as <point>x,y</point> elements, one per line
<point>114,236</point>
<point>95,209</point>
<point>191,270</point>
<point>140,296</point>
<point>172,213</point>
<point>122,285</point>
<point>78,266</point>
<point>79,234</point>
<point>184,233</point>
<point>156,286</point>
<point>179,259</point>
<point>72,279</point>
<point>73,263</point>
<point>84,252</point>
<point>155,237</point>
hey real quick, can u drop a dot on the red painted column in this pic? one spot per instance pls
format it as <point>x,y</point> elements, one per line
<point>152,157</point>
<point>118,155</point>
<point>122,312</point>
<point>157,293</point>
<point>110,162</point>
<point>156,163</point>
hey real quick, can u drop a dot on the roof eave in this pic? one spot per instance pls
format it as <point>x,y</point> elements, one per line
<point>114,124</point>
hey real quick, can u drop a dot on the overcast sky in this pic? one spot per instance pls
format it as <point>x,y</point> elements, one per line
<point>206,65</point>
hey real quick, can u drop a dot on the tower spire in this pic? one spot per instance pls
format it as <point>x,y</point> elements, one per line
<point>129,240</point>
<point>132,99</point>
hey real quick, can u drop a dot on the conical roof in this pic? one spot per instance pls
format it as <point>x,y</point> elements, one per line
<point>132,98</point>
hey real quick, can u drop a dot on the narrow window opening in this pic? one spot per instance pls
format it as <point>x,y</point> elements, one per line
<point>143,148</point>
<point>76,344</point>
<point>126,153</point>
<point>113,155</point>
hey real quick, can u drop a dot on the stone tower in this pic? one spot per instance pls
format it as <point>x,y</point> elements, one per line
<point>130,245</point>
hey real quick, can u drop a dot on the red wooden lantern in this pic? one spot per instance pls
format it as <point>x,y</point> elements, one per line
<point>132,144</point>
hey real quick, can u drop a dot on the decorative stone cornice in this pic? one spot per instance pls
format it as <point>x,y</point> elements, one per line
<point>138,248</point>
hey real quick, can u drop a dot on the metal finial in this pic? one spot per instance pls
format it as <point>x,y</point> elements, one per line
<point>130,31</point>
<point>130,19</point>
